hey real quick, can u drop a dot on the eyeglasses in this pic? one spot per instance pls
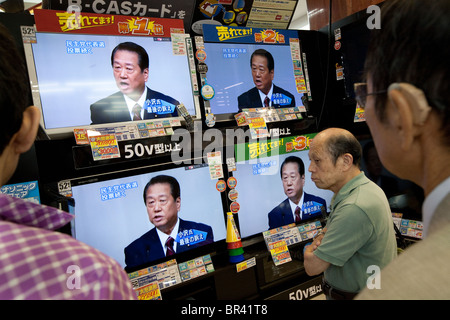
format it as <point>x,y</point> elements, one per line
<point>361,93</point>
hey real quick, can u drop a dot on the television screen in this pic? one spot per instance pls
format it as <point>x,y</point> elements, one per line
<point>228,58</point>
<point>76,83</point>
<point>263,194</point>
<point>111,215</point>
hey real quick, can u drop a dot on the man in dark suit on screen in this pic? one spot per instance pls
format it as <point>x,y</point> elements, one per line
<point>135,101</point>
<point>265,93</point>
<point>299,206</point>
<point>171,234</point>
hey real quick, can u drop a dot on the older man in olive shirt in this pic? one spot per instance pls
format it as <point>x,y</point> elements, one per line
<point>359,238</point>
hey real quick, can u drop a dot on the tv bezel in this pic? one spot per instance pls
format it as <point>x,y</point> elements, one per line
<point>250,239</point>
<point>209,36</point>
<point>47,27</point>
<point>218,247</point>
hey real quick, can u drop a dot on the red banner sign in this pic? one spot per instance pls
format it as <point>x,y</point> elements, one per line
<point>92,23</point>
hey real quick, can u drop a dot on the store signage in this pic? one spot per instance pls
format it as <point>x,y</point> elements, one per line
<point>172,9</point>
<point>214,33</point>
<point>272,147</point>
<point>91,23</point>
<point>130,150</point>
<point>304,291</point>
<point>139,150</point>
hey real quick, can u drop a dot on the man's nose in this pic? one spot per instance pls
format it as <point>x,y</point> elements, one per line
<point>157,206</point>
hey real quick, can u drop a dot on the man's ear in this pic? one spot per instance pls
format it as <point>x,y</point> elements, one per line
<point>24,138</point>
<point>347,161</point>
<point>410,111</point>
<point>146,73</point>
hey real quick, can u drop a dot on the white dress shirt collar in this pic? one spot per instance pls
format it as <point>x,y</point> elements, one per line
<point>432,202</point>
<point>295,205</point>
<point>131,103</point>
<point>163,236</point>
<point>263,96</point>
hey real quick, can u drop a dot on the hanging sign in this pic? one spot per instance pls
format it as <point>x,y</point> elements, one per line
<point>92,23</point>
<point>171,9</point>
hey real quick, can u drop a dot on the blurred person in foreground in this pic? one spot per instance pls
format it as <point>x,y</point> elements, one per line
<point>36,262</point>
<point>407,108</point>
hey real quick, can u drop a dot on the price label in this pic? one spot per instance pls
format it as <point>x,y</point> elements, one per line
<point>65,188</point>
<point>28,34</point>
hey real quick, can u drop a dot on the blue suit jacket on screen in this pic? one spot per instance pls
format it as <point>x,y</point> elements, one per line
<point>148,247</point>
<point>114,108</point>
<point>251,99</point>
<point>282,214</point>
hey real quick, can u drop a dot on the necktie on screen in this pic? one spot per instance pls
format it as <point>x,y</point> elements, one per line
<point>137,112</point>
<point>266,102</point>
<point>297,215</point>
<point>169,245</point>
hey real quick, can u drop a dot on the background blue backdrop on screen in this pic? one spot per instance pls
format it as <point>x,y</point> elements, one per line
<point>70,83</point>
<point>232,76</point>
<point>111,225</point>
<point>260,193</point>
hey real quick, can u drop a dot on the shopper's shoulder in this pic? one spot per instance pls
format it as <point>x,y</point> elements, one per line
<point>60,246</point>
<point>27,213</point>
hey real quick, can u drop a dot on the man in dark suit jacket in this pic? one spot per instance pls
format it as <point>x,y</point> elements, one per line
<point>265,93</point>
<point>114,108</point>
<point>130,67</point>
<point>309,206</point>
<point>148,247</point>
<point>171,234</point>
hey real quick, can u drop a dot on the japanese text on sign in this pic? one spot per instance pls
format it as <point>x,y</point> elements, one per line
<point>260,148</point>
<point>226,33</point>
<point>74,21</point>
<point>269,36</point>
<point>119,7</point>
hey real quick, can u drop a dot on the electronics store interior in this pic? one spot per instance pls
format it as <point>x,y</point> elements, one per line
<point>198,133</point>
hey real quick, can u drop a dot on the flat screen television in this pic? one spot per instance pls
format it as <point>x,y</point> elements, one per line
<point>261,189</point>
<point>110,214</point>
<point>228,54</point>
<point>71,71</point>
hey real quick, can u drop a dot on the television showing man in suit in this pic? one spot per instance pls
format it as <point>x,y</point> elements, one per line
<point>134,100</point>
<point>170,234</point>
<point>299,205</point>
<point>265,93</point>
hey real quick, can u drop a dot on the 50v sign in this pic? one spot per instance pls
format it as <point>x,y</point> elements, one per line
<point>139,150</point>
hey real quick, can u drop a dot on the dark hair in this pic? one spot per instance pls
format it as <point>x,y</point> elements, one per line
<point>293,159</point>
<point>174,185</point>
<point>143,59</point>
<point>412,46</point>
<point>14,89</point>
<point>340,144</point>
<point>264,53</point>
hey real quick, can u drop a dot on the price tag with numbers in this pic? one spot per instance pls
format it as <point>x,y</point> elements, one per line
<point>28,34</point>
<point>65,188</point>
